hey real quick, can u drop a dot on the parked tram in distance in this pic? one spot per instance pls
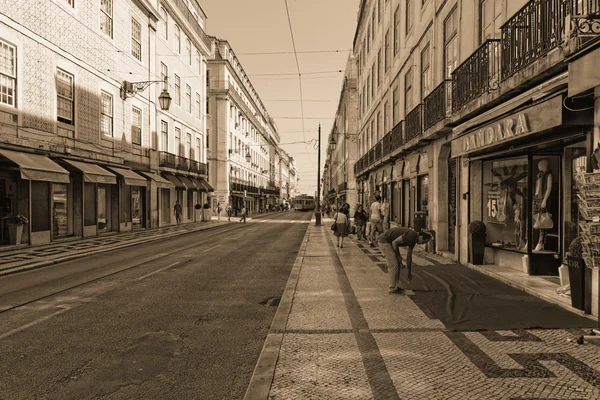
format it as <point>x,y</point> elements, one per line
<point>303,203</point>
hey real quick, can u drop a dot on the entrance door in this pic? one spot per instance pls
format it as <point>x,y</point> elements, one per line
<point>60,224</point>
<point>104,210</point>
<point>451,205</point>
<point>138,201</point>
<point>406,203</point>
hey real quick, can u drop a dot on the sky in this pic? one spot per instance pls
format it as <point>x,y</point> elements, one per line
<point>323,31</point>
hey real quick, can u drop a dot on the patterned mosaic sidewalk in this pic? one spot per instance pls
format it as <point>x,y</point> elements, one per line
<point>25,256</point>
<point>347,338</point>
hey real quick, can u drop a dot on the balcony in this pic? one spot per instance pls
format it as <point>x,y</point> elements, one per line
<point>396,139</point>
<point>166,159</point>
<point>183,9</point>
<point>198,167</point>
<point>476,76</point>
<point>378,150</point>
<point>414,123</point>
<point>387,144</point>
<point>438,105</point>
<point>585,22</point>
<point>182,163</point>
<point>532,32</point>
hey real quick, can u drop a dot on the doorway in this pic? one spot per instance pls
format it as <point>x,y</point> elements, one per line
<point>451,205</point>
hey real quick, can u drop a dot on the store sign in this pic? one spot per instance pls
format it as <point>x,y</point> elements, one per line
<point>535,119</point>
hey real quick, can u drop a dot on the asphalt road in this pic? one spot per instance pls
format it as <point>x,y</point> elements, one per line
<point>180,319</point>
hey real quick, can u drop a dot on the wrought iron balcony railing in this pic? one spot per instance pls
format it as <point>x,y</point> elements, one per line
<point>397,140</point>
<point>438,105</point>
<point>476,75</point>
<point>532,32</point>
<point>414,123</point>
<point>378,150</point>
<point>182,163</point>
<point>166,159</point>
<point>387,144</point>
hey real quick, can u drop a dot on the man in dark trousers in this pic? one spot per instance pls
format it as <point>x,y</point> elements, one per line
<point>389,244</point>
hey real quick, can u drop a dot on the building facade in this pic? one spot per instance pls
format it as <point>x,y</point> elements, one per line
<point>467,113</point>
<point>244,145</point>
<point>80,148</point>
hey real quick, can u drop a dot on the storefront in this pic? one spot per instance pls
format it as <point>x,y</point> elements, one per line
<point>521,169</point>
<point>132,194</point>
<point>158,184</point>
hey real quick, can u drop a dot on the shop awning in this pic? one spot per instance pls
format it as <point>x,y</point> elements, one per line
<point>205,183</point>
<point>129,177</point>
<point>159,180</point>
<point>199,185</point>
<point>93,173</point>
<point>187,182</point>
<point>37,167</point>
<point>205,186</point>
<point>175,181</point>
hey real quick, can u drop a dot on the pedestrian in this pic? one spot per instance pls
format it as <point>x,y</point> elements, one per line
<point>389,244</point>
<point>177,210</point>
<point>228,211</point>
<point>376,220</point>
<point>360,219</point>
<point>244,211</point>
<point>385,212</point>
<point>219,209</point>
<point>341,227</point>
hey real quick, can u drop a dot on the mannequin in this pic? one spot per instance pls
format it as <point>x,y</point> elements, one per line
<point>541,198</point>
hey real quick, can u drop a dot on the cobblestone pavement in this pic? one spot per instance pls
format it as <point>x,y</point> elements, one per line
<point>347,338</point>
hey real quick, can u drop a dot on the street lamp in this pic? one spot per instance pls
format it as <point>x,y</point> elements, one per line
<point>318,212</point>
<point>130,89</point>
<point>332,143</point>
<point>248,156</point>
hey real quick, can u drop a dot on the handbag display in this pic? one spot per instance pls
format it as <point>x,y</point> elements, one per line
<point>543,221</point>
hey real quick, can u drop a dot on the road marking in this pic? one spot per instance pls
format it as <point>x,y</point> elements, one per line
<point>214,247</point>
<point>152,273</point>
<point>237,237</point>
<point>37,321</point>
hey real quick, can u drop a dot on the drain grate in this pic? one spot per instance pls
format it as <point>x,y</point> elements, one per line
<point>271,301</point>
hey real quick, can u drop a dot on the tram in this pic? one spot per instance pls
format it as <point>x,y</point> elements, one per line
<point>303,203</point>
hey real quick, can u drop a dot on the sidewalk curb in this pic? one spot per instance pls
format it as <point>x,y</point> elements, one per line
<point>71,257</point>
<point>531,291</point>
<point>264,372</point>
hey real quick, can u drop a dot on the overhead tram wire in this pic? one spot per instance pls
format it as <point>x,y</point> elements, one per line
<point>287,9</point>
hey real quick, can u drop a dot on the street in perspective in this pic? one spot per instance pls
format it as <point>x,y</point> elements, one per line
<point>288,200</point>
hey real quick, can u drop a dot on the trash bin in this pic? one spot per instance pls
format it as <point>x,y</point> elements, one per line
<point>420,220</point>
<point>577,281</point>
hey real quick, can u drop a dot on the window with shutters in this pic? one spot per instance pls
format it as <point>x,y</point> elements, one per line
<point>65,89</point>
<point>8,74</point>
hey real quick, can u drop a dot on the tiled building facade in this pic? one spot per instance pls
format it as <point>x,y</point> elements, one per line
<point>78,157</point>
<point>467,113</point>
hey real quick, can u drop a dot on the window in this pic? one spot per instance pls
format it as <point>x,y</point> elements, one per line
<point>386,56</point>
<point>373,80</point>
<point>379,68</point>
<point>490,18</point>
<point>178,141</point>
<point>207,105</point>
<point>368,39</point>
<point>396,30</point>
<point>164,23</point>
<point>385,116</point>
<point>373,23</point>
<point>188,98</point>
<point>207,138</point>
<point>136,39</point>
<point>198,106</point>
<point>378,125</point>
<point>177,90</point>
<point>373,133</point>
<point>208,78</point>
<point>65,89</point>
<point>378,10</point>
<point>188,145</point>
<point>164,133</point>
<point>188,50</point>
<point>8,74</point>
<point>106,16</point>
<point>106,114</point>
<point>450,43</point>
<point>136,125</point>
<point>71,2</point>
<point>198,149</point>
<point>178,38</point>
<point>425,72</point>
<point>199,61</point>
<point>164,74</point>
<point>395,106</point>
<point>408,91</point>
<point>409,16</point>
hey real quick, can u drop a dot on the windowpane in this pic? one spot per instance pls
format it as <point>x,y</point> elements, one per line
<point>425,72</point>
<point>178,39</point>
<point>409,15</point>
<point>136,39</point>
<point>188,50</point>
<point>198,106</point>
<point>136,125</point>
<point>164,132</point>
<point>188,97</point>
<point>178,90</point>
<point>64,94</point>
<point>408,92</point>
<point>106,114</point>
<point>7,74</point>
<point>106,14</point>
<point>164,25</point>
<point>164,74</point>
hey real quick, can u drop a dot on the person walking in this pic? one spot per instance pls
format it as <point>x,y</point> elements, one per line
<point>376,220</point>
<point>390,242</point>
<point>177,210</point>
<point>360,219</point>
<point>228,211</point>
<point>244,211</point>
<point>341,227</point>
<point>385,212</point>
<point>219,210</point>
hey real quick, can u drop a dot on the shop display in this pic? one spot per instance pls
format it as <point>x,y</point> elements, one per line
<point>541,203</point>
<point>588,200</point>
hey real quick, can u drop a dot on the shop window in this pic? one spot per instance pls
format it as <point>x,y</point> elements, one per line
<point>125,198</point>
<point>89,204</point>
<point>505,207</point>
<point>423,193</point>
<point>574,162</point>
<point>165,205</point>
<point>136,206</point>
<point>190,204</point>
<point>60,207</point>
<point>546,203</point>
